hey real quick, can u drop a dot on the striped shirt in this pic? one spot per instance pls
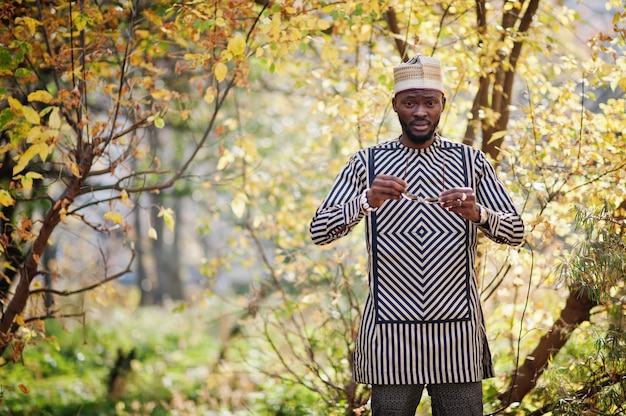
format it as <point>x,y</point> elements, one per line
<point>422,321</point>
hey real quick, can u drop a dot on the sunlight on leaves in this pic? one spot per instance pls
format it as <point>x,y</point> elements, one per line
<point>220,70</point>
<point>237,46</point>
<point>5,199</point>
<point>41,96</point>
<point>114,217</point>
<point>31,115</point>
<point>225,159</point>
<point>74,169</point>
<point>239,203</point>
<point>55,119</point>
<point>159,123</point>
<point>25,159</point>
<point>29,22</point>
<point>168,217</point>
<point>27,180</point>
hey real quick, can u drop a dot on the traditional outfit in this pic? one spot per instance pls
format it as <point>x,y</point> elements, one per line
<point>422,322</point>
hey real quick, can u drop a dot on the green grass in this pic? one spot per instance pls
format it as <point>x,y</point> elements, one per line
<point>68,374</point>
<point>175,369</point>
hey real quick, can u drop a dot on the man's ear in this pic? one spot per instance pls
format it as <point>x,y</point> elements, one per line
<point>443,100</point>
<point>393,103</point>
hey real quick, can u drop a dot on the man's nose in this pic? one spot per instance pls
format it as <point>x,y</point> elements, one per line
<point>419,110</point>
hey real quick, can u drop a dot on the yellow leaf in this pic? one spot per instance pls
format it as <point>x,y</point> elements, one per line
<point>125,199</point>
<point>169,221</point>
<point>27,180</point>
<point>23,160</point>
<point>74,169</point>
<point>226,159</point>
<point>19,319</point>
<point>160,94</point>
<point>80,21</point>
<point>34,175</point>
<point>31,115</point>
<point>310,298</point>
<point>323,24</point>
<point>35,134</point>
<point>27,183</point>
<point>55,119</point>
<point>5,199</point>
<point>40,95</point>
<point>168,217</point>
<point>159,123</point>
<point>44,151</point>
<point>237,45</point>
<point>152,233</point>
<point>15,105</point>
<point>6,148</point>
<point>192,56</point>
<point>250,149</point>
<point>220,71</point>
<point>221,22</point>
<point>209,95</point>
<point>29,22</point>
<point>238,205</point>
<point>116,218</point>
<point>55,343</point>
<point>330,54</point>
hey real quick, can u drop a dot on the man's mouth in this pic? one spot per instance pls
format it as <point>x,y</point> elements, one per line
<point>420,125</point>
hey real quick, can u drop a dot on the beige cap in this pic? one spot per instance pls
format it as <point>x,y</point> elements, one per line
<point>420,72</point>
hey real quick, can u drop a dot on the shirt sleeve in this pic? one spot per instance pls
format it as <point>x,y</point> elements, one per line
<point>504,225</point>
<point>341,210</point>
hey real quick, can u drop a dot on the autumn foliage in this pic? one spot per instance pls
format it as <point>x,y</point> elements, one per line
<point>109,108</point>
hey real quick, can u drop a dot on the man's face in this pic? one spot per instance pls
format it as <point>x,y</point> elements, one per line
<point>419,112</point>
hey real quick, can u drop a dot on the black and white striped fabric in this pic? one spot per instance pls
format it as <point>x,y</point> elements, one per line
<point>422,321</point>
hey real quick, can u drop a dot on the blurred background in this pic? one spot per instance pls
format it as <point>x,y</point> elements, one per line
<point>161,162</point>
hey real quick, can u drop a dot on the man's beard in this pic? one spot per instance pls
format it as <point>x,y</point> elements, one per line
<point>418,139</point>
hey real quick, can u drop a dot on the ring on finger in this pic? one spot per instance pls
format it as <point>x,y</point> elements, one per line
<point>463,196</point>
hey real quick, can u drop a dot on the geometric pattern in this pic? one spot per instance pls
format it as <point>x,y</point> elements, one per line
<point>412,330</point>
<point>419,250</point>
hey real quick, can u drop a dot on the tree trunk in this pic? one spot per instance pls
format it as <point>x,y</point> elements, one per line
<point>176,283</point>
<point>158,253</point>
<point>495,89</point>
<point>576,311</point>
<point>30,268</point>
<point>143,280</point>
<point>167,263</point>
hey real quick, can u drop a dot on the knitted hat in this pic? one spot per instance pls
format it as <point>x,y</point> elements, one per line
<point>420,72</point>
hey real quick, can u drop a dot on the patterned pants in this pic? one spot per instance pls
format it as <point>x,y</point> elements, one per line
<point>463,399</point>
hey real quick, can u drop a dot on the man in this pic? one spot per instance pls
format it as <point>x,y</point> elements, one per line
<point>424,199</point>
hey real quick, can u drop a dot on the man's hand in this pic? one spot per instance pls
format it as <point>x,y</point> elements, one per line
<point>461,201</point>
<point>385,187</point>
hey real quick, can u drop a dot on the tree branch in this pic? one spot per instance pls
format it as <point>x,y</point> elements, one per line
<point>107,279</point>
<point>576,311</point>
<point>392,21</point>
<point>588,392</point>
